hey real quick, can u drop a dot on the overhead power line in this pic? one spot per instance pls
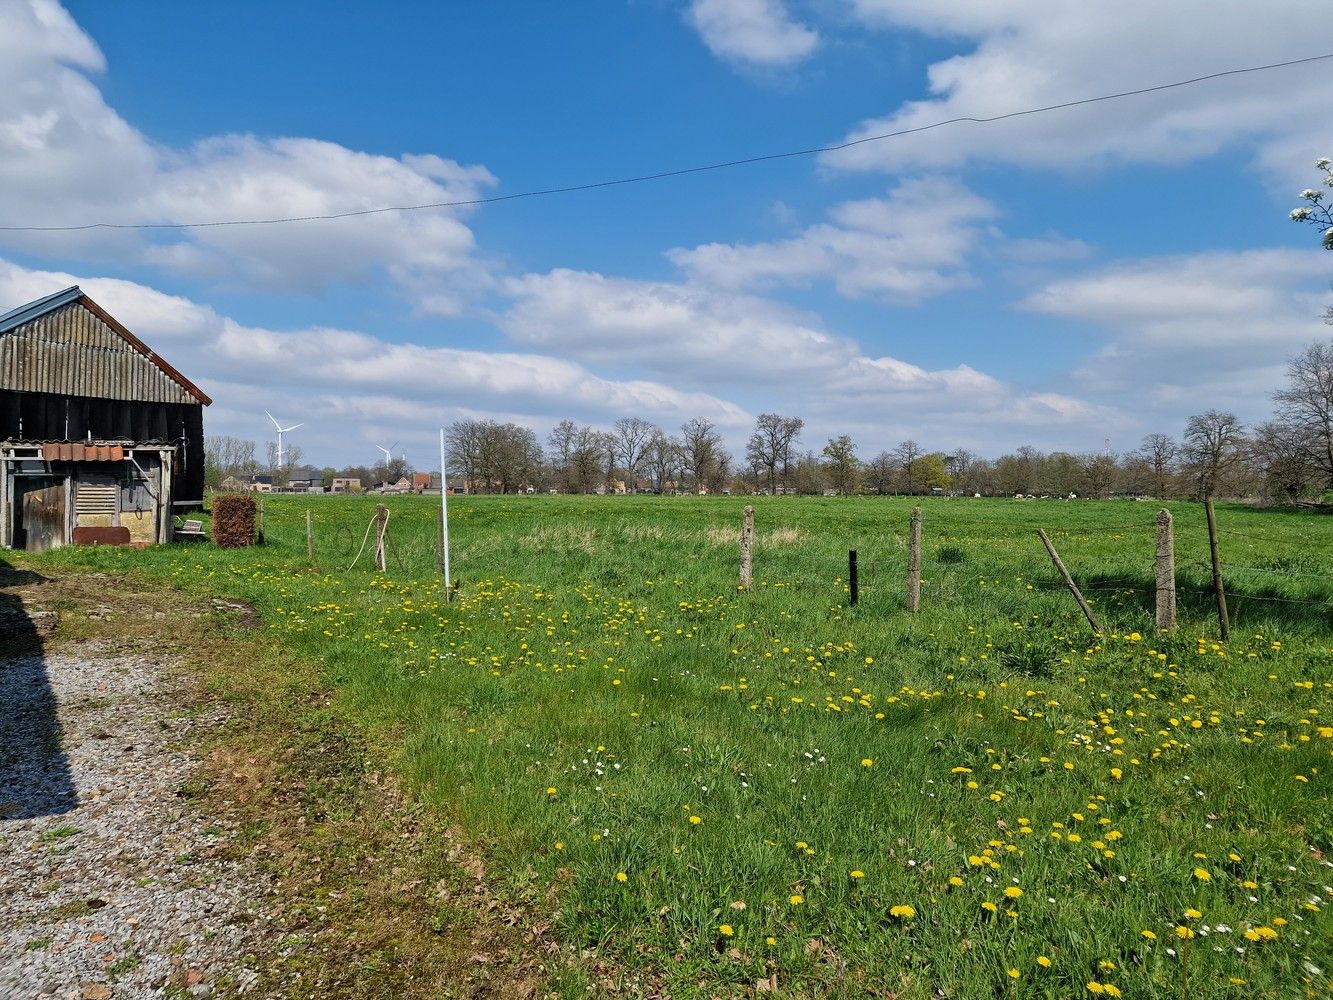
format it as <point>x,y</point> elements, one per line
<point>679,172</point>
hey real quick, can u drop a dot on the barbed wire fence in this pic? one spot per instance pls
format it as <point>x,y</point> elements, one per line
<point>927,559</point>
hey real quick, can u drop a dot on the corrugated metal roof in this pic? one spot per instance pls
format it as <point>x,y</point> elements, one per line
<point>23,314</point>
<point>67,344</point>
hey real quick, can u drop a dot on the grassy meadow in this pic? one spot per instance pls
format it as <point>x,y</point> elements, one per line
<point>724,791</point>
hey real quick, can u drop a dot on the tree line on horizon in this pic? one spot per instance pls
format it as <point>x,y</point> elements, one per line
<point>1286,459</point>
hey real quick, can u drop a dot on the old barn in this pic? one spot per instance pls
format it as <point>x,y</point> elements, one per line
<point>100,439</point>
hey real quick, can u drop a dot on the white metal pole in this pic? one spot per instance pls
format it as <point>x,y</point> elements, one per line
<point>444,520</point>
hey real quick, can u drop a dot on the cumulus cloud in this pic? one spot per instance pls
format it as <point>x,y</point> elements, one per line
<point>771,356</point>
<point>1049,51</point>
<point>343,375</point>
<point>67,158</point>
<point>910,245</point>
<point>1191,332</point>
<point>751,33</point>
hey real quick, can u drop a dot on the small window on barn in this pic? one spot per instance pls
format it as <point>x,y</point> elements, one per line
<point>136,495</point>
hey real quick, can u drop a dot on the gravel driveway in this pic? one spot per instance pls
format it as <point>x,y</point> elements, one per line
<point>112,885</point>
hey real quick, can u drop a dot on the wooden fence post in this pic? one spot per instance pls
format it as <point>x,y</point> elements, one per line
<point>1223,623</point>
<point>381,528</point>
<point>914,561</point>
<point>1069,582</point>
<point>1166,573</point>
<point>853,580</point>
<point>309,536</point>
<point>747,547</point>
<point>259,522</point>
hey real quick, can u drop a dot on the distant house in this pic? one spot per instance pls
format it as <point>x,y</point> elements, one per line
<point>421,481</point>
<point>233,485</point>
<point>345,484</point>
<point>305,479</point>
<point>261,484</point>
<point>101,440</point>
<point>403,485</point>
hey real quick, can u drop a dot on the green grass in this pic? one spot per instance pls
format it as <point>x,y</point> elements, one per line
<point>599,647</point>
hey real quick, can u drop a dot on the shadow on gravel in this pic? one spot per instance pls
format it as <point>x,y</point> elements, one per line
<point>35,778</point>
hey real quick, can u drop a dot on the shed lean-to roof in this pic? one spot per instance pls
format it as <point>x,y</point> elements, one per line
<point>70,321</point>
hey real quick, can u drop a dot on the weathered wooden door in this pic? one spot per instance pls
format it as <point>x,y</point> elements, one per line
<point>44,517</point>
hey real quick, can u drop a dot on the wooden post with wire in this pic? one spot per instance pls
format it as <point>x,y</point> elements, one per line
<point>853,579</point>
<point>1069,582</point>
<point>309,536</point>
<point>1166,573</point>
<point>1223,622</point>
<point>381,529</point>
<point>747,547</point>
<point>914,561</point>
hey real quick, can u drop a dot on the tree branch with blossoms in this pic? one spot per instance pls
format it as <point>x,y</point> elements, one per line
<point>1317,211</point>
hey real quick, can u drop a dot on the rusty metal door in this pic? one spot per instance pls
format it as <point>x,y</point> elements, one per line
<point>44,517</point>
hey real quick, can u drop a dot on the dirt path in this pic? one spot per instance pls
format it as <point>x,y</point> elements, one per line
<point>113,883</point>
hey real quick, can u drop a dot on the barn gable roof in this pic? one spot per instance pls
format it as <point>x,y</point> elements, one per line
<point>66,343</point>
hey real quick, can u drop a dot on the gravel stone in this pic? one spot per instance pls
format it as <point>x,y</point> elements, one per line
<point>112,885</point>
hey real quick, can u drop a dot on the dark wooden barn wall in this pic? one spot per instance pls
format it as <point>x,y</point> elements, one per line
<point>40,416</point>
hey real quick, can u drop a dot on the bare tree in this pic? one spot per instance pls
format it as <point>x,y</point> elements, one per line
<point>905,455</point>
<point>1306,404</point>
<point>588,457</point>
<point>664,457</point>
<point>842,467</point>
<point>701,445</point>
<point>632,435</point>
<point>770,445</point>
<point>1212,447</point>
<point>464,443</point>
<point>291,458</point>
<point>880,473</point>
<point>227,456</point>
<point>1284,462</point>
<point>1158,453</point>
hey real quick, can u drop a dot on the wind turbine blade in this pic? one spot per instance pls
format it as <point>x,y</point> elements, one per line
<point>270,416</point>
<point>294,426</point>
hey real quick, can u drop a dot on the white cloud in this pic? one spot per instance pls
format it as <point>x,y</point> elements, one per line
<point>774,357</point>
<point>913,244</point>
<point>66,158</point>
<point>1192,332</point>
<point>753,33</point>
<point>1025,55</point>
<point>246,368</point>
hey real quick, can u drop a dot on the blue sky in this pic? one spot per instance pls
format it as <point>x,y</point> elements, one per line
<point>1092,273</point>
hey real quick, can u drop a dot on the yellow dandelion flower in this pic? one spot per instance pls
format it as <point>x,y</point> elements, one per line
<point>621,877</point>
<point>867,762</point>
<point>1149,935</point>
<point>1014,973</point>
<point>726,930</point>
<point>1043,961</point>
<point>1013,892</point>
<point>796,899</point>
<point>1202,875</point>
<point>695,820</point>
<point>902,911</point>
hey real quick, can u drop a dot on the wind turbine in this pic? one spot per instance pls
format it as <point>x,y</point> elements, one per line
<point>388,453</point>
<point>281,431</point>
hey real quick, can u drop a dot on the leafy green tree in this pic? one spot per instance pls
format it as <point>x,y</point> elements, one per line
<point>842,466</point>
